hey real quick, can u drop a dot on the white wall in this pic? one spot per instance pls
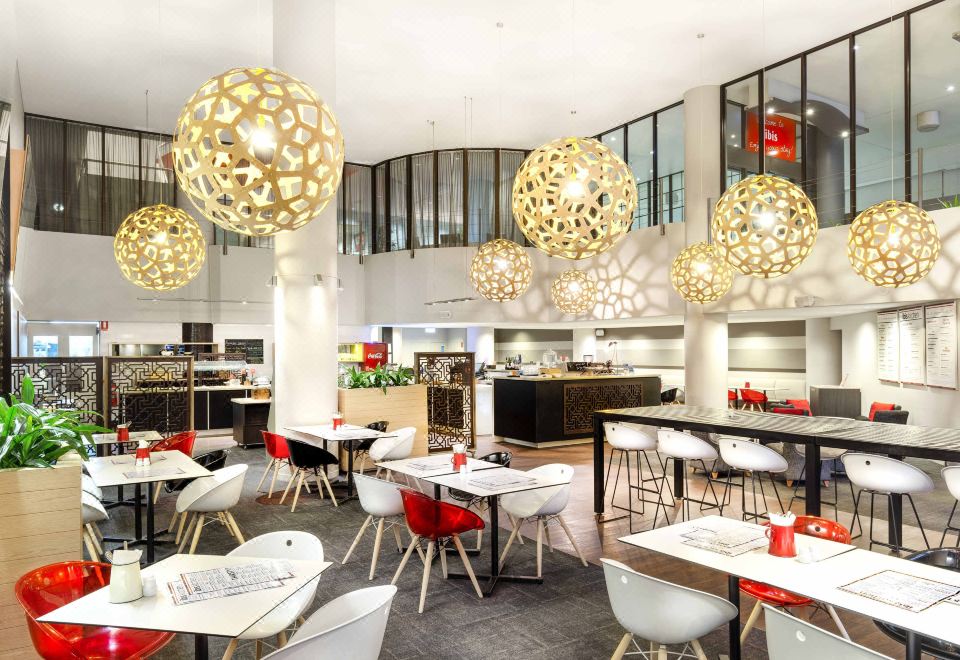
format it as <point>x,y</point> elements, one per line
<point>480,341</point>
<point>407,341</point>
<point>928,406</point>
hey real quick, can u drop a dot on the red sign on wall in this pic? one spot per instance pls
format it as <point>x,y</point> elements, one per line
<point>104,325</point>
<point>779,136</point>
<point>374,354</point>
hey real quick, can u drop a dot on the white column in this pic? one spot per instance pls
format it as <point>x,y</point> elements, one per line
<point>480,341</point>
<point>824,353</point>
<point>584,343</point>
<point>305,316</point>
<point>705,339</point>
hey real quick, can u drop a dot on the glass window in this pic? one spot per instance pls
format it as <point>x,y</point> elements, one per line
<point>935,102</point>
<point>46,138</point>
<point>46,346</point>
<point>398,204</point>
<point>423,215</point>
<point>640,160</point>
<point>122,163</point>
<point>670,164</point>
<point>156,171</point>
<point>510,162</point>
<point>742,158</point>
<point>83,165</point>
<point>828,126</point>
<point>381,209</point>
<point>450,197</point>
<point>480,173</point>
<point>782,128</point>
<point>615,140</point>
<point>355,209</point>
<point>878,60</point>
<point>80,345</point>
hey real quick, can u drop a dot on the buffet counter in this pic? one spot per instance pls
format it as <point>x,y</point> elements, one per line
<point>545,411</point>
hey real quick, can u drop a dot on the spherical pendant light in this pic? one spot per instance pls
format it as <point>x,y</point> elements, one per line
<point>574,292</point>
<point>574,198</point>
<point>160,248</point>
<point>699,275</point>
<point>893,244</point>
<point>257,151</point>
<point>764,226</point>
<point>501,270</point>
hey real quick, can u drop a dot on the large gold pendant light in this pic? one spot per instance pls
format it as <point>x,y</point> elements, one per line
<point>893,244</point>
<point>160,248</point>
<point>699,275</point>
<point>574,198</point>
<point>764,226</point>
<point>501,270</point>
<point>574,292</point>
<point>257,151</point>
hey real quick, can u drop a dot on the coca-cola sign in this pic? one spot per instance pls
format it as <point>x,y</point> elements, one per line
<point>374,354</point>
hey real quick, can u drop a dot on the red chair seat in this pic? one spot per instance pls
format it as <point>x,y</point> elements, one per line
<point>433,520</point>
<point>276,445</point>
<point>753,396</point>
<point>877,406</point>
<point>802,404</point>
<point>789,411</point>
<point>182,442</point>
<point>731,395</point>
<point>49,587</point>
<point>772,595</point>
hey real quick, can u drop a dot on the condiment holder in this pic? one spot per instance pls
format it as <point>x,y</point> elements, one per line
<point>143,454</point>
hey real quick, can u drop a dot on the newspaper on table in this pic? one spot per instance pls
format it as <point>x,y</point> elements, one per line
<point>130,459</point>
<point>230,581</point>
<point>908,592</point>
<point>151,471</point>
<point>497,481</point>
<point>355,434</point>
<point>728,542</point>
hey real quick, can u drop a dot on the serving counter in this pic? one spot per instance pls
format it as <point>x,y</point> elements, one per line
<point>540,411</point>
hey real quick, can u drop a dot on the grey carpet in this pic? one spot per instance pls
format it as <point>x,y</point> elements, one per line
<point>568,616</point>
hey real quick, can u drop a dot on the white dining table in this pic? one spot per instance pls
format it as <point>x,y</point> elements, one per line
<point>434,465</point>
<point>228,616</point>
<point>836,565</point>
<point>346,434</point>
<point>121,470</point>
<point>135,436</point>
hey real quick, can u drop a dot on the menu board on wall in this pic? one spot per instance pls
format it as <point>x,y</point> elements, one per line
<point>913,339</point>
<point>252,348</point>
<point>942,345</point>
<point>888,346</point>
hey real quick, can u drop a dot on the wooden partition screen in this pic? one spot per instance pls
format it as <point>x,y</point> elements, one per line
<point>150,393</point>
<point>451,398</point>
<point>62,382</point>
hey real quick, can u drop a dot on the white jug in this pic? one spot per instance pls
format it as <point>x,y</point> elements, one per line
<point>125,583</point>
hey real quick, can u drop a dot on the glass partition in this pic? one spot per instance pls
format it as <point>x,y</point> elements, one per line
<point>742,157</point>
<point>480,211</point>
<point>669,165</point>
<point>616,141</point>
<point>828,137</point>
<point>510,162</point>
<point>782,125</point>
<point>424,234</point>
<point>380,208</point>
<point>640,160</point>
<point>398,204</point>
<point>450,198</point>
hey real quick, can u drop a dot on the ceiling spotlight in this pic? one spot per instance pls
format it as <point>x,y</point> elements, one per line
<point>243,302</point>
<point>951,88</point>
<point>769,111</point>
<point>845,134</point>
<point>809,111</point>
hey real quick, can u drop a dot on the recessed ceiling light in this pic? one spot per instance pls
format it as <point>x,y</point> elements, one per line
<point>951,88</point>
<point>733,136</point>
<point>856,46</point>
<point>613,138</point>
<point>845,134</point>
<point>809,111</point>
<point>769,111</point>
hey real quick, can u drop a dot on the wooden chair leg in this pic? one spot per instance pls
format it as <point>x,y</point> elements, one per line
<point>513,535</point>
<point>356,540</point>
<point>546,533</point>
<point>236,528</point>
<point>576,548</point>
<point>91,549</point>
<point>414,543</point>
<point>396,534</point>
<point>698,649</point>
<point>273,479</point>
<point>513,523</point>
<point>231,649</point>
<point>281,639</point>
<point>156,491</point>
<point>290,482</point>
<point>296,494</point>
<point>376,548</point>
<point>479,539</point>
<point>836,620</point>
<point>189,531</point>
<point>326,482</point>
<point>467,565</point>
<point>93,538</point>
<point>196,534</point>
<point>754,615</point>
<point>622,646</point>
<point>426,575</point>
<point>265,473</point>
<point>442,551</point>
<point>259,646</point>
<point>539,547</point>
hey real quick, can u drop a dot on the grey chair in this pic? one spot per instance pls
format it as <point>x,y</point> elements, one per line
<point>789,638</point>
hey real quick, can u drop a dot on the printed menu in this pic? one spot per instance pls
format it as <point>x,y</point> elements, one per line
<point>888,346</point>
<point>912,343</point>
<point>942,345</point>
<point>907,592</point>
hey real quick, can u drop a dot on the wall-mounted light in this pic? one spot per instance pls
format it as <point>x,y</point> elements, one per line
<point>273,281</point>
<point>318,280</point>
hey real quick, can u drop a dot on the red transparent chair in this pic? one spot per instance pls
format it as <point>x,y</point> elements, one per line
<point>753,399</point>
<point>439,523</point>
<point>182,442</point>
<point>822,528</point>
<point>47,588</point>
<point>279,454</point>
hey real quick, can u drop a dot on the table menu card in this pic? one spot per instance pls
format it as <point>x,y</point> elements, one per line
<point>907,592</point>
<point>942,345</point>
<point>151,471</point>
<point>221,582</point>
<point>913,339</point>
<point>497,481</point>
<point>888,346</point>
<point>431,464</point>
<point>728,542</point>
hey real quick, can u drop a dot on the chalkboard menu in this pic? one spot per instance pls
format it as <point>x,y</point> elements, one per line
<point>252,348</point>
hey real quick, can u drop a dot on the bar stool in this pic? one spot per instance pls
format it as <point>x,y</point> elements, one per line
<point>882,475</point>
<point>951,476</point>
<point>677,445</point>
<point>624,439</point>
<point>748,456</point>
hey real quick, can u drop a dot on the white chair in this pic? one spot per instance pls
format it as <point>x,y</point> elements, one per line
<point>544,506</point>
<point>789,638</point>
<point>661,613</point>
<point>279,545</point>
<point>393,448</point>
<point>93,513</point>
<point>624,439</point>
<point>882,475</point>
<point>216,495</point>
<point>680,446</point>
<point>350,626</point>
<point>87,485</point>
<point>747,456</point>
<point>951,476</point>
<point>381,500</point>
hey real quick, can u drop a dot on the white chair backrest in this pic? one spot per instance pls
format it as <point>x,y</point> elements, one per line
<point>547,501</point>
<point>632,437</point>
<point>282,545</point>
<point>394,448</point>
<point>951,476</point>
<point>378,497</point>
<point>744,454</point>
<point>92,509</point>
<point>87,485</point>
<point>225,491</point>
<point>678,444</point>
<point>350,626</point>
<point>885,474</point>
<point>789,638</point>
<point>660,611</point>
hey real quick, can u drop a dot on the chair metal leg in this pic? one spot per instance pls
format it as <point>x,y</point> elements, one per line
<point>948,526</point>
<point>917,516</point>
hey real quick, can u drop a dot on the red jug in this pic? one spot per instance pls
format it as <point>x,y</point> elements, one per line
<point>782,541</point>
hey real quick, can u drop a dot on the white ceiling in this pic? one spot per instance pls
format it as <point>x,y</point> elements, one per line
<point>402,63</point>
